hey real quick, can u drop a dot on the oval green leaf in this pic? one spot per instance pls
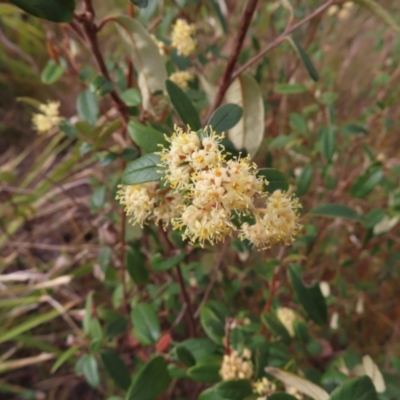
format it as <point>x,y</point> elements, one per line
<point>51,73</point>
<point>212,317</point>
<point>143,169</point>
<point>366,183</point>
<point>234,390</point>
<point>336,211</point>
<point>146,325</point>
<point>304,180</point>
<point>205,372</point>
<point>146,137</point>
<point>183,106</point>
<point>225,117</point>
<point>116,369</point>
<point>304,58</point>
<point>288,88</point>
<point>328,142</point>
<point>136,265</point>
<point>276,179</point>
<point>52,10</point>
<point>356,389</point>
<point>151,381</point>
<point>311,298</point>
<point>88,107</point>
<point>131,97</point>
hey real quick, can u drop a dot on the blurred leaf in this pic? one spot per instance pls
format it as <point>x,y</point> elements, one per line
<point>101,86</point>
<point>159,264</point>
<point>185,356</point>
<point>88,312</point>
<point>288,88</point>
<point>116,326</point>
<point>51,73</point>
<point>225,117</point>
<point>140,3</point>
<point>142,170</point>
<point>28,100</point>
<point>373,217</point>
<point>131,97</point>
<point>336,211</point>
<point>88,107</point>
<point>302,385</point>
<point>146,57</point>
<point>298,123</point>
<point>151,381</point>
<point>276,179</point>
<point>68,129</point>
<point>136,265</point>
<point>328,142</point>
<point>212,317</point>
<point>52,10</point>
<point>183,106</point>
<point>372,370</point>
<point>311,298</point>
<point>380,12</point>
<point>234,390</point>
<point>90,370</point>
<point>200,347</point>
<point>356,389</point>
<point>205,372</point>
<point>66,355</point>
<point>304,180</point>
<point>248,133</point>
<point>130,154</point>
<point>366,182</point>
<point>146,325</point>
<point>276,327</point>
<point>352,129</point>
<point>146,137</point>
<point>304,58</point>
<point>210,394</point>
<point>220,16</point>
<point>98,197</point>
<point>116,368</point>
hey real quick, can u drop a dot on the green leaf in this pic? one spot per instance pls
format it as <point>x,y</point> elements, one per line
<point>311,298</point>
<point>142,170</point>
<point>116,326</point>
<point>304,180</point>
<point>116,368</point>
<point>328,142</point>
<point>304,58</point>
<point>277,180</point>
<point>220,16</point>
<point>205,372</point>
<point>146,137</point>
<point>90,370</point>
<point>248,133</point>
<point>88,107</point>
<point>210,394</point>
<point>52,10</point>
<point>98,197</point>
<point>146,325</point>
<point>66,355</point>
<point>101,86</point>
<point>183,106</point>
<point>159,264</point>
<point>234,390</point>
<point>288,88</point>
<point>365,183</point>
<point>378,10</point>
<point>225,117</point>
<point>136,265</point>
<point>353,129</point>
<point>276,327</point>
<point>185,356</point>
<point>148,62</point>
<point>151,381</point>
<point>88,312</point>
<point>281,396</point>
<point>335,211</point>
<point>131,97</point>
<point>140,3</point>
<point>212,317</point>
<point>356,389</point>
<point>51,73</point>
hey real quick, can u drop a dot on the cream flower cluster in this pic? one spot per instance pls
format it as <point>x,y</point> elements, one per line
<point>182,37</point>
<point>48,118</point>
<point>264,387</point>
<point>217,190</point>
<point>236,366</point>
<point>181,78</point>
<point>148,202</point>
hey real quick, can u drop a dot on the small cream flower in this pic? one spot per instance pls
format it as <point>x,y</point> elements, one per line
<point>346,10</point>
<point>294,392</point>
<point>181,78</point>
<point>182,37</point>
<point>264,386</point>
<point>237,366</point>
<point>48,118</point>
<point>287,317</point>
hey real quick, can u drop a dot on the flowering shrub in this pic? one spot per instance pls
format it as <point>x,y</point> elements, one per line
<point>214,269</point>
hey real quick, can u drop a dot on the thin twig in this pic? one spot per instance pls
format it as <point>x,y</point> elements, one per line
<point>227,77</point>
<point>276,42</point>
<point>213,278</point>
